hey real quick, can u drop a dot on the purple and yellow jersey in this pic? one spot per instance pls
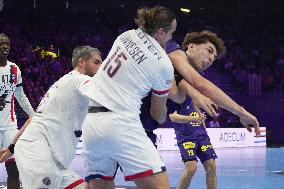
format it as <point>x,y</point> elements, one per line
<point>171,46</point>
<point>185,131</point>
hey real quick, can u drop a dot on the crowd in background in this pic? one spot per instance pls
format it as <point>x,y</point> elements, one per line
<point>254,58</point>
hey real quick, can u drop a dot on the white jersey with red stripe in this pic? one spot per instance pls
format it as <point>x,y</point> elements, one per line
<point>59,117</point>
<point>136,65</point>
<point>10,76</point>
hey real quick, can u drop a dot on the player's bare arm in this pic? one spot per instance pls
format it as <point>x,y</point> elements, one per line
<point>175,94</point>
<point>158,108</point>
<point>179,61</point>
<point>178,118</point>
<point>199,100</point>
<point>178,95</point>
<point>6,153</point>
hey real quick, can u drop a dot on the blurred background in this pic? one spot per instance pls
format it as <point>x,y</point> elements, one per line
<point>43,34</point>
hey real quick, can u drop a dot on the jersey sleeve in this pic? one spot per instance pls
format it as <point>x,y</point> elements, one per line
<point>84,86</point>
<point>24,101</point>
<point>162,79</point>
<point>19,93</point>
<point>18,75</point>
<point>82,80</point>
<point>171,46</point>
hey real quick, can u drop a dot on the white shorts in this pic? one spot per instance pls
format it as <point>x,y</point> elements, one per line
<point>38,169</point>
<point>111,140</point>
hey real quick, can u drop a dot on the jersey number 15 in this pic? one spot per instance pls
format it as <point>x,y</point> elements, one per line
<point>111,67</point>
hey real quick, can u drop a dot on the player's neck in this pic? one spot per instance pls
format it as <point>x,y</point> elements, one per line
<point>3,62</point>
<point>79,70</point>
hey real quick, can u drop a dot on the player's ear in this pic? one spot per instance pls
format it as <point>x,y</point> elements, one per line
<point>190,46</point>
<point>80,62</point>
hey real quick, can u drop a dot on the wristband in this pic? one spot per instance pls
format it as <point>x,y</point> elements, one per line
<point>11,148</point>
<point>178,77</point>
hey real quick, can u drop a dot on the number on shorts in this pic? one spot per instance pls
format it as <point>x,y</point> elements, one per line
<point>190,152</point>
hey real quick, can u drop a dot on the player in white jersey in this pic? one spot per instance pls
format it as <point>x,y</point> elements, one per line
<point>112,132</point>
<point>48,144</point>
<point>10,88</point>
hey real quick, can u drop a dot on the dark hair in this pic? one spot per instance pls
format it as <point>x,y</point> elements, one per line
<point>83,52</point>
<point>151,19</point>
<point>203,37</point>
<point>4,36</point>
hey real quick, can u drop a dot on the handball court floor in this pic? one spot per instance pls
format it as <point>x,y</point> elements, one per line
<point>237,168</point>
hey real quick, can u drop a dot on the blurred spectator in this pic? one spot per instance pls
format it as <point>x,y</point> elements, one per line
<point>254,59</point>
<point>214,123</point>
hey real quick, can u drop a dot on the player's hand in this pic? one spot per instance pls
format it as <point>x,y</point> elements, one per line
<point>248,121</point>
<point>205,103</point>
<point>202,117</point>
<point>177,118</point>
<point>173,116</point>
<point>5,154</point>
